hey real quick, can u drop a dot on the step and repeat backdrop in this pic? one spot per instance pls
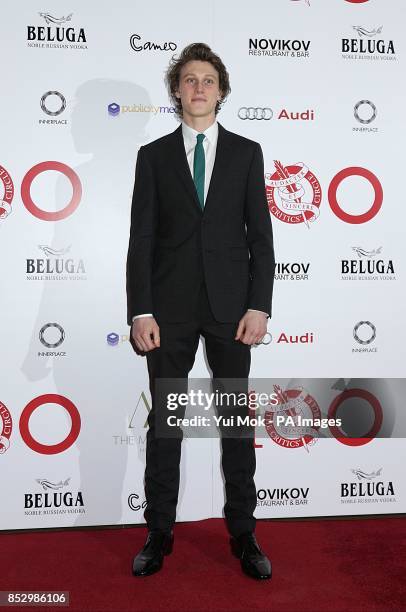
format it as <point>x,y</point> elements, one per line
<point>319,83</point>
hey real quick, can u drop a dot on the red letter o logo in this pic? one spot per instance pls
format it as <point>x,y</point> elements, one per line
<point>50,449</point>
<point>378,416</point>
<point>44,214</point>
<point>332,195</point>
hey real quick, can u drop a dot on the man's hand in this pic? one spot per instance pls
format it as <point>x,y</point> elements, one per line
<point>252,327</point>
<point>145,334</point>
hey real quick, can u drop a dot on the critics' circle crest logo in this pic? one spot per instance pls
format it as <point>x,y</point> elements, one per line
<point>6,193</point>
<point>292,403</point>
<point>6,426</point>
<point>293,193</point>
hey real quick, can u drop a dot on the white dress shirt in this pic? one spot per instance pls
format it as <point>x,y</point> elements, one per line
<point>209,145</point>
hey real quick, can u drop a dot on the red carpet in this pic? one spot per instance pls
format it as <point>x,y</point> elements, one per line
<point>319,565</point>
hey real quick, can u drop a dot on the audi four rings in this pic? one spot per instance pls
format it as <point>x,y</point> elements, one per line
<point>251,113</point>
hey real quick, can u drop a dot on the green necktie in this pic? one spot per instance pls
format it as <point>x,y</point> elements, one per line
<point>199,168</point>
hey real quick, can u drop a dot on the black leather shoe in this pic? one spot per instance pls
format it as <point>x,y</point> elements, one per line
<point>150,559</point>
<point>253,561</point>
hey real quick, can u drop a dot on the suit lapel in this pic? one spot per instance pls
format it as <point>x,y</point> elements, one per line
<point>220,166</point>
<point>221,162</point>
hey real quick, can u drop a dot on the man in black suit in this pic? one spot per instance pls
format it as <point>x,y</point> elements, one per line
<point>200,261</point>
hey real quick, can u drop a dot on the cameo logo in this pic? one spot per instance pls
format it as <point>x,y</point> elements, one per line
<point>278,47</point>
<point>369,487</point>
<point>135,503</point>
<point>44,214</point>
<point>56,498</point>
<point>136,45</point>
<point>332,195</point>
<point>50,449</point>
<point>369,45</point>
<point>6,428</point>
<point>293,403</point>
<point>114,109</point>
<point>370,265</point>
<point>6,193</point>
<point>292,271</point>
<point>294,496</point>
<point>55,35</point>
<point>293,193</point>
<point>55,266</point>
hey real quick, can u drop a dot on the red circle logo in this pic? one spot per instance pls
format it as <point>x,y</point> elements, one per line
<point>378,416</point>
<point>332,195</point>
<point>43,214</point>
<point>50,449</point>
<point>356,1</point>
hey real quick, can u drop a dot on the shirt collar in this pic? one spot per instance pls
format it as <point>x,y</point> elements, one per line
<point>189,133</point>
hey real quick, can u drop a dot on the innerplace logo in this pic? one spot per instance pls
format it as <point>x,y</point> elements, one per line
<point>364,325</point>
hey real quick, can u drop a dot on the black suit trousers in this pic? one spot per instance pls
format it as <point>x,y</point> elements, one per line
<point>227,358</point>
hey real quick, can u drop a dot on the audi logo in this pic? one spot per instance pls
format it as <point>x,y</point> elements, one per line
<point>252,113</point>
<point>267,339</point>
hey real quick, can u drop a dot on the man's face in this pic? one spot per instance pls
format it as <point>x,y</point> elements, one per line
<point>198,88</point>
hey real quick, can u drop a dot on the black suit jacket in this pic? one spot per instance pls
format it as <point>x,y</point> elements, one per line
<point>174,244</point>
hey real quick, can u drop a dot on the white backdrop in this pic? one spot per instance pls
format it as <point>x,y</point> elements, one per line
<point>319,83</point>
